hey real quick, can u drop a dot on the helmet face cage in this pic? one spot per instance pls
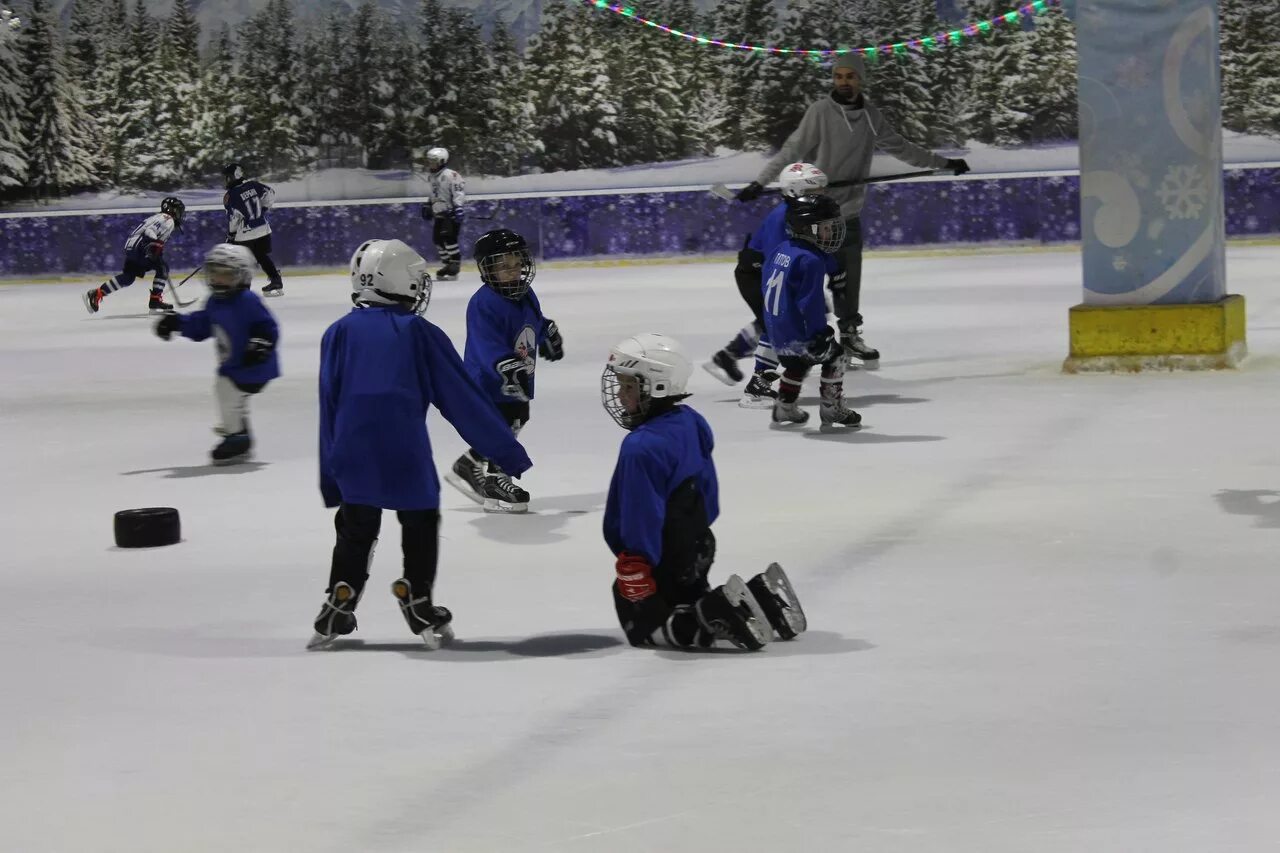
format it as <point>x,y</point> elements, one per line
<point>437,158</point>
<point>510,273</point>
<point>421,287</point>
<point>225,279</point>
<point>364,282</point>
<point>612,386</point>
<point>829,234</point>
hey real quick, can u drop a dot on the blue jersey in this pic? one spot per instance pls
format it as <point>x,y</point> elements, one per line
<point>771,232</point>
<point>795,309</point>
<point>247,204</point>
<point>380,369</point>
<point>499,329</point>
<point>232,322</point>
<point>656,459</point>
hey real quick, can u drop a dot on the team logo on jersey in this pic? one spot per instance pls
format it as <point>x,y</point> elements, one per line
<point>526,343</point>
<point>222,344</point>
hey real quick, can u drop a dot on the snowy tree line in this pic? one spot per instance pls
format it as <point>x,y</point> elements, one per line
<point>117,98</point>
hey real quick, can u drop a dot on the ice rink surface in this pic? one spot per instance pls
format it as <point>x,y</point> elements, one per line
<point>1045,609</point>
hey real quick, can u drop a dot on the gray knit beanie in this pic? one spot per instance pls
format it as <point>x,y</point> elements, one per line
<point>851,60</point>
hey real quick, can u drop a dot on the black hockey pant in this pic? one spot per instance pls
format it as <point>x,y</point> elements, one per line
<point>444,233</point>
<point>261,248</point>
<point>358,527</point>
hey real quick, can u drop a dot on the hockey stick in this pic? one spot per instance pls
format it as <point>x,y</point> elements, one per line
<point>173,289</point>
<point>722,191</point>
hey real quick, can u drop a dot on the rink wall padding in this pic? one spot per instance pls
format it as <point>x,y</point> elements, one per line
<point>1039,209</point>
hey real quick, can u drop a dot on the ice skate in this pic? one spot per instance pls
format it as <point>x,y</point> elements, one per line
<point>467,476</point>
<point>786,414</point>
<point>759,393</point>
<point>836,413</point>
<point>724,367</point>
<point>856,349</point>
<point>93,300</point>
<point>428,621</point>
<point>777,599</point>
<point>730,612</point>
<point>234,449</point>
<point>337,616</point>
<point>157,305</point>
<point>448,272</point>
<point>275,288</point>
<point>503,495</point>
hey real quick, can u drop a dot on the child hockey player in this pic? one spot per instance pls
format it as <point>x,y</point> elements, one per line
<point>144,253</point>
<point>662,501</point>
<point>506,332</point>
<point>448,194</point>
<point>795,312</point>
<point>797,180</point>
<point>247,202</point>
<point>381,367</point>
<point>246,335</point>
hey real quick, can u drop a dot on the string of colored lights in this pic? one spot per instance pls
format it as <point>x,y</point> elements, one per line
<point>920,44</point>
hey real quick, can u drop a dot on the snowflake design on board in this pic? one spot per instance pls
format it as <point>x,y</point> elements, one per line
<point>1133,73</point>
<point>1184,192</point>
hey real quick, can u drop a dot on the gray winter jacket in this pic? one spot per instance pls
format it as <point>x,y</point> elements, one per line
<point>839,140</point>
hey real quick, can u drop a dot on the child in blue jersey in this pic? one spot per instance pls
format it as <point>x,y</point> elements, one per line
<point>144,253</point>
<point>381,367</point>
<point>796,180</point>
<point>662,501</point>
<point>795,311</point>
<point>246,335</point>
<point>247,202</point>
<point>506,332</point>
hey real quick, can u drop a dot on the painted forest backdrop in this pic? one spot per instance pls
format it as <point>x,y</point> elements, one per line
<point>107,96</point>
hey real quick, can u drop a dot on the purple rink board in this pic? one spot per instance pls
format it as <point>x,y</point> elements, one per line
<point>1022,210</point>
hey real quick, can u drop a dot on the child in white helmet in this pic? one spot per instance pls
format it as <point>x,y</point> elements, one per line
<point>446,211</point>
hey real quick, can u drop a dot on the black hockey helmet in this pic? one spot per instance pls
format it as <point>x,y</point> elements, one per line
<point>817,220</point>
<point>505,262</point>
<point>233,173</point>
<point>173,206</point>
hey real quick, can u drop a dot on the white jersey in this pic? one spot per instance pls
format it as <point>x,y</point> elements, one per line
<point>156,229</point>
<point>448,190</point>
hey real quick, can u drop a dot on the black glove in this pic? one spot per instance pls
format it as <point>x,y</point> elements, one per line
<point>750,192</point>
<point>426,213</point>
<point>823,347</point>
<point>515,377</point>
<point>958,167</point>
<point>167,325</point>
<point>552,345</point>
<point>231,237</point>
<point>257,351</point>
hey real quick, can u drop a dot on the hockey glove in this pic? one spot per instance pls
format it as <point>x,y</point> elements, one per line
<point>515,378</point>
<point>824,346</point>
<point>156,249</point>
<point>257,351</point>
<point>750,192</point>
<point>167,325</point>
<point>552,345</point>
<point>957,166</point>
<point>231,237</point>
<point>635,577</point>
<point>427,213</point>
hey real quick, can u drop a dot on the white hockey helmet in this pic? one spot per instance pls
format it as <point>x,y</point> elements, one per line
<point>802,179</point>
<point>641,369</point>
<point>388,272</point>
<point>228,268</point>
<point>437,157</point>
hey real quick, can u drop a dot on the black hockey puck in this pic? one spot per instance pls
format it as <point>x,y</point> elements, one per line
<point>147,527</point>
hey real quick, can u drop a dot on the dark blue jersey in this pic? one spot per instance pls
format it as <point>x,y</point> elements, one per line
<point>246,204</point>
<point>232,322</point>
<point>657,458</point>
<point>771,231</point>
<point>380,369</point>
<point>499,329</point>
<point>795,309</point>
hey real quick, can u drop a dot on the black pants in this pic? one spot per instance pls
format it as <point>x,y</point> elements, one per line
<point>516,415</point>
<point>358,527</point>
<point>444,233</point>
<point>748,274</point>
<point>850,256</point>
<point>261,248</point>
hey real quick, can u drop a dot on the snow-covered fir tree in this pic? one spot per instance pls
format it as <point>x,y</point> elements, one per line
<point>994,58</point>
<point>142,154</point>
<point>506,141</point>
<point>438,122</point>
<point>701,113</point>
<point>650,90</point>
<point>13,144</point>
<point>744,22</point>
<point>266,85</point>
<point>1250,67</point>
<point>797,80</point>
<point>220,115</point>
<point>1046,87</point>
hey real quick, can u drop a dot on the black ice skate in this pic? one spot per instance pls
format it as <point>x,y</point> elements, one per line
<point>467,476</point>
<point>836,413</point>
<point>93,300</point>
<point>448,272</point>
<point>503,495</point>
<point>157,305</point>
<point>275,288</point>
<point>759,393</point>
<point>773,592</point>
<point>730,612</point>
<point>786,414</point>
<point>428,621</point>
<point>724,367</point>
<point>234,449</point>
<point>337,616</point>
<point>856,349</point>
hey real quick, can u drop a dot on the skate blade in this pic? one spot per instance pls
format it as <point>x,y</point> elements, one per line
<point>321,641</point>
<point>247,456</point>
<point>446,278</point>
<point>787,426</point>
<point>159,311</point>
<point>271,293</point>
<point>758,403</point>
<point>502,507</point>
<point>463,486</point>
<point>437,638</point>
<point>735,590</point>
<point>88,306</point>
<point>779,584</point>
<point>833,429</point>
<point>855,363</point>
<point>719,373</point>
